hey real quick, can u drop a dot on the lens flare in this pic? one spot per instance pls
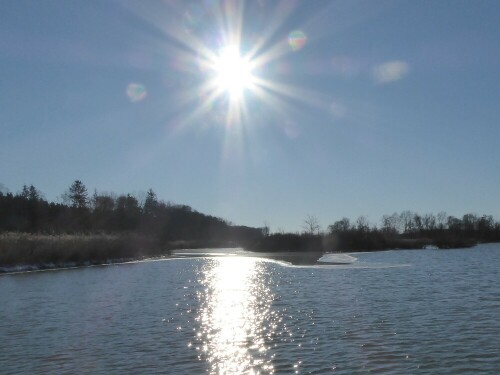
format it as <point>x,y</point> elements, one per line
<point>297,40</point>
<point>136,92</point>
<point>193,18</point>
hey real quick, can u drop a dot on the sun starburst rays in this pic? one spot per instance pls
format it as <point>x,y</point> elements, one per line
<point>224,68</point>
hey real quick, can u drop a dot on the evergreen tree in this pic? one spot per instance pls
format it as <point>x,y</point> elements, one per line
<point>77,195</point>
<point>151,203</point>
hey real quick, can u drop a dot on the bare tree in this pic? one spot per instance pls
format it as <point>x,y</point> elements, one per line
<point>362,224</point>
<point>311,225</point>
<point>390,223</point>
<point>429,222</point>
<point>266,229</point>
<point>418,224</point>
<point>407,221</point>
<point>442,220</point>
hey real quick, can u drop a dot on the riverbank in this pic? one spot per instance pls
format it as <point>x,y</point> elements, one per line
<point>21,252</point>
<point>355,241</point>
<point>28,252</point>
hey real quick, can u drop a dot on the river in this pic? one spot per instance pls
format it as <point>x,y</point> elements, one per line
<point>393,312</point>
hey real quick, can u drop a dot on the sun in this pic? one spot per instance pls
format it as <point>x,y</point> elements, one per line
<point>233,73</point>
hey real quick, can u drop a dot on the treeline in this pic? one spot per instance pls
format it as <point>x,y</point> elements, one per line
<point>171,225</point>
<point>110,226</point>
<point>405,230</point>
<point>408,227</point>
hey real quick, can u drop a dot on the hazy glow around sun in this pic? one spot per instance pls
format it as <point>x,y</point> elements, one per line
<point>233,73</point>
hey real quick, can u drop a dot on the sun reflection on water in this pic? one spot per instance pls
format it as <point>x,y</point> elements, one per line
<point>235,327</point>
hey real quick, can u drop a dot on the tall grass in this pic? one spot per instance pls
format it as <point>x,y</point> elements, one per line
<point>39,251</point>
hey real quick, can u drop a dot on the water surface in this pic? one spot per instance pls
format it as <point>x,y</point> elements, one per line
<point>393,312</point>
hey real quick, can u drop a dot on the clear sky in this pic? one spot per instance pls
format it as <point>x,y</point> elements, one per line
<point>354,107</point>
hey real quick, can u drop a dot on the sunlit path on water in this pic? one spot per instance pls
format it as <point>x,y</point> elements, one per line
<point>235,319</point>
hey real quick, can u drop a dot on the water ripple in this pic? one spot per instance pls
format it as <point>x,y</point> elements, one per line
<point>237,314</point>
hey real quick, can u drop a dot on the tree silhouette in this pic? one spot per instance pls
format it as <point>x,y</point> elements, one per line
<point>311,225</point>
<point>172,225</point>
<point>342,225</point>
<point>151,203</point>
<point>103,206</point>
<point>77,195</point>
<point>362,224</point>
<point>266,229</point>
<point>127,213</point>
<point>79,215</point>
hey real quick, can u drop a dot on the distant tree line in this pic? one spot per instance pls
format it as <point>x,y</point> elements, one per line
<point>405,230</point>
<point>174,226</point>
<point>83,213</point>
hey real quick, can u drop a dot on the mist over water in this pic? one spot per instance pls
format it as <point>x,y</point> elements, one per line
<point>391,312</point>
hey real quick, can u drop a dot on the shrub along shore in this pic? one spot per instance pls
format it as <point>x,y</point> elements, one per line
<point>26,251</point>
<point>32,252</point>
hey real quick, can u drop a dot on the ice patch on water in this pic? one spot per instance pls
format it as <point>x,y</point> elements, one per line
<point>204,255</point>
<point>337,259</point>
<point>358,266</point>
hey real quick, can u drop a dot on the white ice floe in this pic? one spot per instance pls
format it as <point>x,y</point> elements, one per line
<point>337,259</point>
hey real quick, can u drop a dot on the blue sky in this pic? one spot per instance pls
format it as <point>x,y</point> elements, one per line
<point>388,105</point>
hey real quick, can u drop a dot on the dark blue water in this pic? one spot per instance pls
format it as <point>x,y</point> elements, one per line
<point>397,312</point>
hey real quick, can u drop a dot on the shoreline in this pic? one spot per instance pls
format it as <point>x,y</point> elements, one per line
<point>177,254</point>
<point>290,258</point>
<point>4,271</point>
<point>24,252</point>
<point>31,252</point>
